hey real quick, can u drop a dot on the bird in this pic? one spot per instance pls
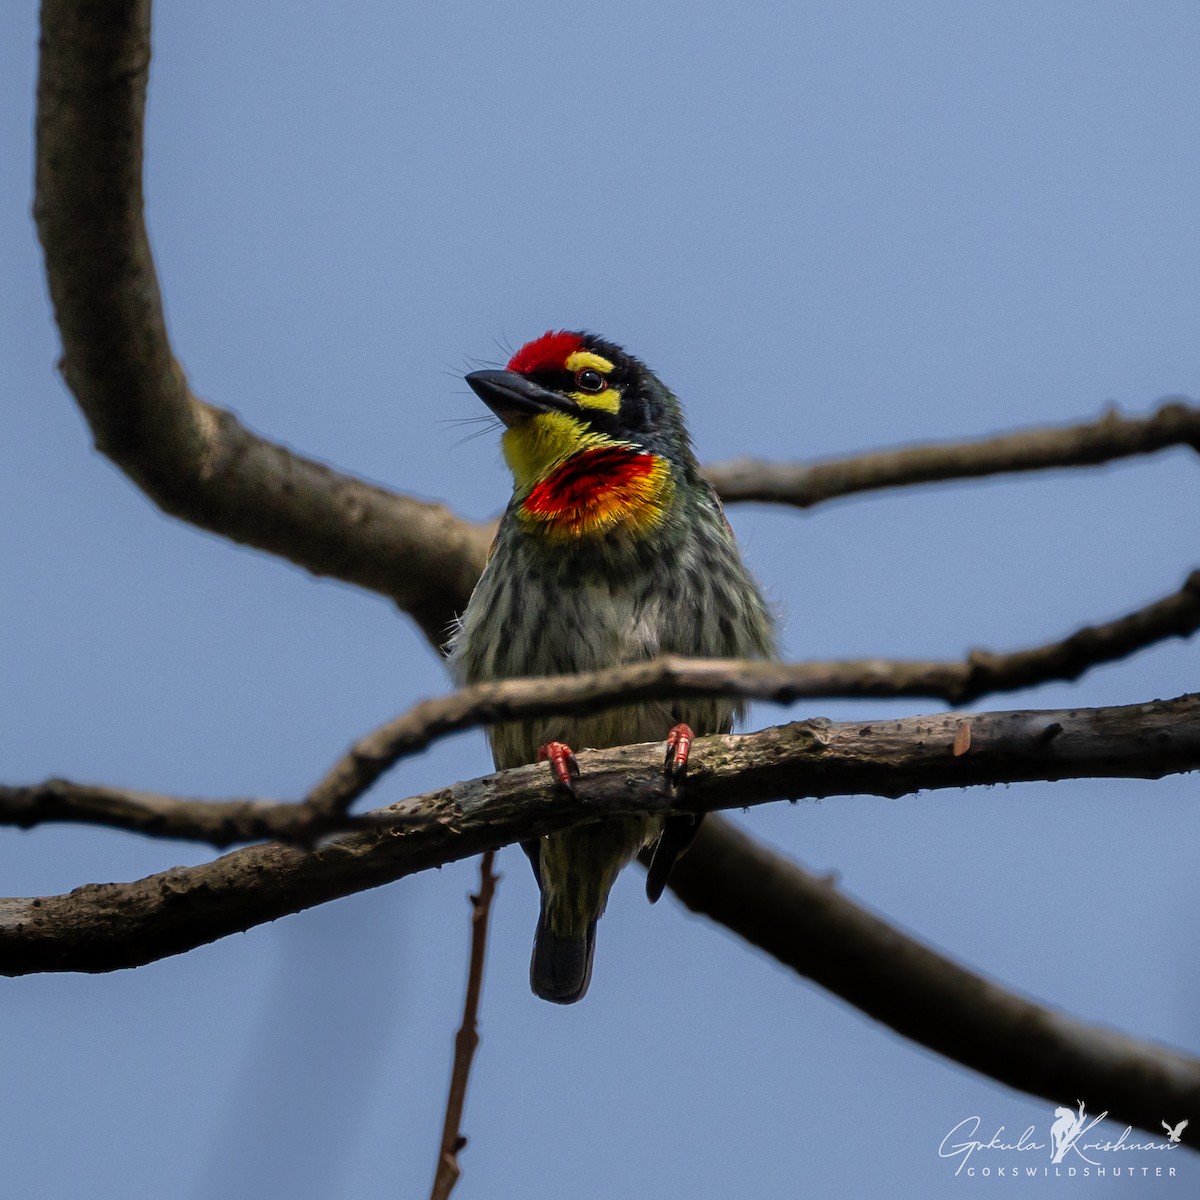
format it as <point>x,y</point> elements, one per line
<point>1175,1134</point>
<point>613,549</point>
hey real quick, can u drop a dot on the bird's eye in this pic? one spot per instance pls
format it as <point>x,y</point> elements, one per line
<point>590,380</point>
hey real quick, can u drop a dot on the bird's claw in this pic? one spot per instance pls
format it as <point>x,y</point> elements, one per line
<point>679,746</point>
<point>562,762</point>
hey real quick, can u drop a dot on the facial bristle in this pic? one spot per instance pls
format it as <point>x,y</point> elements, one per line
<point>547,353</point>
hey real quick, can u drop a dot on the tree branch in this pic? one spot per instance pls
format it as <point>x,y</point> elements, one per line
<point>467,1040</point>
<point>104,927</point>
<point>918,992</point>
<point>1111,437</point>
<point>195,461</point>
<point>803,921</point>
<point>981,673</point>
<point>224,823</point>
<point>218,823</point>
<point>199,463</point>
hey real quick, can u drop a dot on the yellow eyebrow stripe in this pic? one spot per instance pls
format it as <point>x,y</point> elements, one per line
<point>608,400</point>
<point>585,358</point>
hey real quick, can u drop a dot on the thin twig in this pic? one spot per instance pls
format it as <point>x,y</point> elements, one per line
<point>1175,423</point>
<point>467,1039</point>
<point>198,463</point>
<point>218,823</point>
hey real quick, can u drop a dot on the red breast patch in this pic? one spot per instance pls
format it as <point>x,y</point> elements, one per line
<point>600,489</point>
<point>595,476</point>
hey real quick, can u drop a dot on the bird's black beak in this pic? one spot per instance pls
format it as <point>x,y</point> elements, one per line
<point>513,398</point>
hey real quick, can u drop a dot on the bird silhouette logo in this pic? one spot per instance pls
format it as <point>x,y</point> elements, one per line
<point>1175,1135</point>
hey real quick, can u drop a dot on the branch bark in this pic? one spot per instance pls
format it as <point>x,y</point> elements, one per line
<point>981,673</point>
<point>104,927</point>
<point>1111,437</point>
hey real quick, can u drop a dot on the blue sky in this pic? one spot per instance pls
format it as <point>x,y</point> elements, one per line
<point>829,228</point>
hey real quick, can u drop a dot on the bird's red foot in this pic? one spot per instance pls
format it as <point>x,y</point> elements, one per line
<point>679,746</point>
<point>562,763</point>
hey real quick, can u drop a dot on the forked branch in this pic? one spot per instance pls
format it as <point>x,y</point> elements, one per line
<point>199,463</point>
<point>218,823</point>
<point>957,682</point>
<point>804,922</point>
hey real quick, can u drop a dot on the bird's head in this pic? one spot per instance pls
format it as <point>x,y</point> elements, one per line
<point>564,393</point>
<point>592,437</point>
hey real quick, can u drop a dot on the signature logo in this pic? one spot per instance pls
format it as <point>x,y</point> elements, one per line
<point>1067,1142</point>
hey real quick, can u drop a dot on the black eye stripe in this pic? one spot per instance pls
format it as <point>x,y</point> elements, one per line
<point>567,381</point>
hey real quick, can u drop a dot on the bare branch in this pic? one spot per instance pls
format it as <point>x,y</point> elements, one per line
<point>103,927</point>
<point>195,461</point>
<point>218,823</point>
<point>200,464</point>
<point>224,823</point>
<point>467,1039</point>
<point>1113,436</point>
<point>807,924</point>
<point>981,673</point>
<point>107,926</point>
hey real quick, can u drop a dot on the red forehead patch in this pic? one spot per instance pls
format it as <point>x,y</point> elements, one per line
<point>547,353</point>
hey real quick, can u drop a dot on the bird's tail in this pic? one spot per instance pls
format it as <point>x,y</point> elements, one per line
<point>561,968</point>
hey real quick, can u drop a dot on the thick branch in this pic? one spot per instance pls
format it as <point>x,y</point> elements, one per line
<point>195,461</point>
<point>103,927</point>
<point>1111,437</point>
<point>806,923</point>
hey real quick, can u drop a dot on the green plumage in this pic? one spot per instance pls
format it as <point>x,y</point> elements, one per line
<point>549,605</point>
